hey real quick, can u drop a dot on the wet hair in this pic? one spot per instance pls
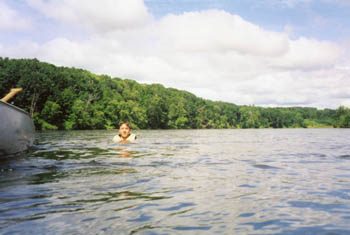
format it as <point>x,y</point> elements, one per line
<point>125,123</point>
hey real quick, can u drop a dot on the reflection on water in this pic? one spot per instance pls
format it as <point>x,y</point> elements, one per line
<point>292,181</point>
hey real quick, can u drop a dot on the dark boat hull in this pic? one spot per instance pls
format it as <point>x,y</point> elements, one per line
<point>17,132</point>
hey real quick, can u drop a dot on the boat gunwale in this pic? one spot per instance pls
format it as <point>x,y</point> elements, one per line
<point>14,107</point>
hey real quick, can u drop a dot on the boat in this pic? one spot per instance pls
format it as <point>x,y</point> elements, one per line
<point>17,131</point>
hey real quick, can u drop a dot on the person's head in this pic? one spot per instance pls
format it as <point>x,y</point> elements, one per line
<point>124,130</point>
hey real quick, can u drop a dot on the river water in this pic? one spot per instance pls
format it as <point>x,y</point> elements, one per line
<point>265,181</point>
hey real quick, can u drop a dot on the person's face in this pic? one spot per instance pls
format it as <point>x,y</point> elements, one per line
<point>124,131</point>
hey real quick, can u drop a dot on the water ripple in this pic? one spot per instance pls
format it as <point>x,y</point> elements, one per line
<point>285,181</point>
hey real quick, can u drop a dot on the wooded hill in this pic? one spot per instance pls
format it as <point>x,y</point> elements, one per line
<point>70,98</point>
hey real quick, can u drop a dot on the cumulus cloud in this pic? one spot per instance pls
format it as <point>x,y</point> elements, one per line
<point>10,20</point>
<point>215,54</point>
<point>214,30</point>
<point>99,16</point>
<point>309,54</point>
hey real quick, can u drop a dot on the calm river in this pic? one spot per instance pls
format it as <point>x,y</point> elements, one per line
<point>268,181</point>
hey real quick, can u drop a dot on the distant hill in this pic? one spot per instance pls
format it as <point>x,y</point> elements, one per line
<point>70,98</point>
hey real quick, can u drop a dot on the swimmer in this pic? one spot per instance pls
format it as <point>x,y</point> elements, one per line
<point>124,135</point>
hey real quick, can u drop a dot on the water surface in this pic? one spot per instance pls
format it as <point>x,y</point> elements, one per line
<point>269,181</point>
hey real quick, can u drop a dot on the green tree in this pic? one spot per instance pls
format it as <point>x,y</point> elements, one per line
<point>70,98</point>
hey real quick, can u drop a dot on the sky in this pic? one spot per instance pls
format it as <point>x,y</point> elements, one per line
<point>270,53</point>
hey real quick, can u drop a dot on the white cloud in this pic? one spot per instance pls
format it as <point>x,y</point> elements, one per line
<point>220,31</point>
<point>309,54</point>
<point>212,53</point>
<point>346,103</point>
<point>99,16</point>
<point>22,49</point>
<point>10,20</point>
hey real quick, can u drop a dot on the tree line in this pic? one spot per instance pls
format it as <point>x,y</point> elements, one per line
<point>71,99</point>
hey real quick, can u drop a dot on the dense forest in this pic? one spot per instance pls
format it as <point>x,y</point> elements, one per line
<point>70,98</point>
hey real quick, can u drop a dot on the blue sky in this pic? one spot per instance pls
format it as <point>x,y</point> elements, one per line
<point>261,52</point>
